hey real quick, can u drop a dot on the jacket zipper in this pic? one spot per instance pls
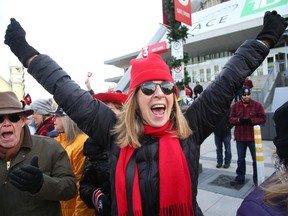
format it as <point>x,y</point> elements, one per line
<point>8,164</point>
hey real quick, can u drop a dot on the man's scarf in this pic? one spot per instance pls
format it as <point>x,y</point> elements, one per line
<point>175,183</point>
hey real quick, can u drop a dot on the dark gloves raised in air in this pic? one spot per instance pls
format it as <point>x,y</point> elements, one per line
<point>28,177</point>
<point>101,202</point>
<point>245,121</point>
<point>273,27</point>
<point>15,39</point>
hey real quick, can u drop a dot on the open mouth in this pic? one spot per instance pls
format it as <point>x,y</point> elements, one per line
<point>158,109</point>
<point>6,135</point>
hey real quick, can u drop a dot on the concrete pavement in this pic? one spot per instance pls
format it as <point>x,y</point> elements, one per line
<point>215,195</point>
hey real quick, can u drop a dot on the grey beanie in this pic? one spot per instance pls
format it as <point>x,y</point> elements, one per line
<point>42,106</point>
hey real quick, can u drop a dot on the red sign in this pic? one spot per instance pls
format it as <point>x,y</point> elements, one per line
<point>165,17</point>
<point>160,47</point>
<point>183,11</point>
<point>27,99</point>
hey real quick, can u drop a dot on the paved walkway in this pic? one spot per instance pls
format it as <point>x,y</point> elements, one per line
<point>216,199</point>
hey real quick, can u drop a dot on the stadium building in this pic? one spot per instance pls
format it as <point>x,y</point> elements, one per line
<point>218,29</point>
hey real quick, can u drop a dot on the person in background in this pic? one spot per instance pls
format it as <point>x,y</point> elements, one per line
<point>43,119</point>
<point>271,197</point>
<point>190,90</point>
<point>188,93</point>
<point>29,121</point>
<point>72,140</point>
<point>35,170</point>
<point>198,89</point>
<point>248,83</point>
<point>185,101</point>
<point>244,115</point>
<point>88,84</point>
<point>222,135</point>
<point>236,96</point>
<point>153,148</point>
<point>95,177</point>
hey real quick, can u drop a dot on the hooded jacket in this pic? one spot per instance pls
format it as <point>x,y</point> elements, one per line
<point>96,119</point>
<point>75,206</point>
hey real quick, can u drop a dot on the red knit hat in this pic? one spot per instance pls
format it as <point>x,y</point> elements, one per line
<point>111,96</point>
<point>150,68</point>
<point>187,91</point>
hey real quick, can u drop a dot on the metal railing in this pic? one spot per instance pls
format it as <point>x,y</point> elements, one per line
<point>264,94</point>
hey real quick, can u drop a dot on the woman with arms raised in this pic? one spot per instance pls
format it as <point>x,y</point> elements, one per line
<point>154,148</point>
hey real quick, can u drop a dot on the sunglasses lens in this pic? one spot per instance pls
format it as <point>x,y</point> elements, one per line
<point>167,87</point>
<point>148,88</point>
<point>13,118</point>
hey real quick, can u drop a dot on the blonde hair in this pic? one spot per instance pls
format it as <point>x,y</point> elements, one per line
<point>276,189</point>
<point>130,127</point>
<point>71,129</point>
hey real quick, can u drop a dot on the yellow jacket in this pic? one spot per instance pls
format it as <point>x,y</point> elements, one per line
<point>75,206</point>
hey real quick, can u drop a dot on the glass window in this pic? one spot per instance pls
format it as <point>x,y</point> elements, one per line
<point>208,74</point>
<point>216,70</point>
<point>202,75</point>
<point>194,76</point>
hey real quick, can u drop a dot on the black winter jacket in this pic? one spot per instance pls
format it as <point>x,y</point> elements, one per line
<point>223,128</point>
<point>96,171</point>
<point>96,119</point>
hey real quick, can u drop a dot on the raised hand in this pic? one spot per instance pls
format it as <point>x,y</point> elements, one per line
<point>273,27</point>
<point>15,38</point>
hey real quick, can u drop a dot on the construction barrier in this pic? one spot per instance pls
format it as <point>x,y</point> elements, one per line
<point>259,154</point>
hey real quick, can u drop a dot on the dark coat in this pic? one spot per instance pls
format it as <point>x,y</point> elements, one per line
<point>96,119</point>
<point>96,171</point>
<point>59,180</point>
<point>223,128</point>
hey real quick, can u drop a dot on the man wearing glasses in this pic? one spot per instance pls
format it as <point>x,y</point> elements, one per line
<point>244,115</point>
<point>35,170</point>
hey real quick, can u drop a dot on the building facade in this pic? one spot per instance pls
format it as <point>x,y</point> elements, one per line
<point>15,83</point>
<point>218,29</point>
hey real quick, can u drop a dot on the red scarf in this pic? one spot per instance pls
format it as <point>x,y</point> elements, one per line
<point>175,183</point>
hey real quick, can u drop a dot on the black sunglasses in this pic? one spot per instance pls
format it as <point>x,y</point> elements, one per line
<point>12,118</point>
<point>148,88</point>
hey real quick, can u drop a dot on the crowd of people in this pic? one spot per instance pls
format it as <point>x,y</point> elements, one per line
<point>128,154</point>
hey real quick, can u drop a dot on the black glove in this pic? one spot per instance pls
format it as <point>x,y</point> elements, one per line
<point>28,177</point>
<point>245,121</point>
<point>101,202</point>
<point>273,27</point>
<point>15,39</point>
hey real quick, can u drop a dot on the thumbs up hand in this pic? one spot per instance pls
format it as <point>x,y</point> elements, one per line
<point>28,177</point>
